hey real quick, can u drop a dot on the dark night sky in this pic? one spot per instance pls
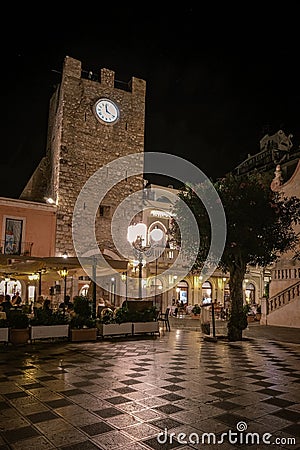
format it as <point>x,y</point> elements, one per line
<point>211,94</point>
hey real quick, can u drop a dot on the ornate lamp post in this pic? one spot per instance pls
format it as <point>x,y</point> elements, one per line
<point>124,279</point>
<point>64,273</point>
<point>138,250</point>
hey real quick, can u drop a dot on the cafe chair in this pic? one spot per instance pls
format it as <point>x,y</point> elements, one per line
<point>164,318</point>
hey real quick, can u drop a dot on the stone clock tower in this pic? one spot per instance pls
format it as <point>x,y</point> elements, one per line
<point>93,119</point>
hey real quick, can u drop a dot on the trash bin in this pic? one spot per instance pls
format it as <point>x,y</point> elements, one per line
<point>205,328</point>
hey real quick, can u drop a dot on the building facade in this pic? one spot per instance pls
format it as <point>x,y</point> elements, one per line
<point>282,308</point>
<point>94,119</point>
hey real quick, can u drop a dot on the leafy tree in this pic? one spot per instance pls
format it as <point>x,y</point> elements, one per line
<point>260,227</point>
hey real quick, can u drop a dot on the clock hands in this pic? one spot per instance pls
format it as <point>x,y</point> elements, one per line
<point>106,109</point>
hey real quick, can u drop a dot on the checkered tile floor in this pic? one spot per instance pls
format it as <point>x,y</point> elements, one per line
<point>124,394</point>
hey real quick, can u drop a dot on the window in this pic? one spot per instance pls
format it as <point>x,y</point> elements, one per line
<point>13,236</point>
<point>104,211</point>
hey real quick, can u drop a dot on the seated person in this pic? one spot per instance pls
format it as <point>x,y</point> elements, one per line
<point>39,302</point>
<point>7,304</point>
<point>66,304</point>
<point>46,306</point>
<point>189,308</point>
<point>16,300</point>
<point>1,300</point>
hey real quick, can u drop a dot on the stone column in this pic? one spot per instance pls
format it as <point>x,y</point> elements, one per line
<point>263,320</point>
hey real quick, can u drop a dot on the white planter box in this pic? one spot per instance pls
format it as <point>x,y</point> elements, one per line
<point>49,331</point>
<point>3,334</point>
<point>145,327</point>
<point>111,329</point>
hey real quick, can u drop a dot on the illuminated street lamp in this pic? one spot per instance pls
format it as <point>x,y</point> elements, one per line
<point>64,273</point>
<point>138,248</point>
<point>124,279</point>
<point>137,236</point>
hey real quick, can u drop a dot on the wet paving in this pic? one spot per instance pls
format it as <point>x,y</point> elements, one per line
<point>175,390</point>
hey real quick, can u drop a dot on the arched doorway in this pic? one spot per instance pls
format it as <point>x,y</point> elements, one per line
<point>206,292</point>
<point>10,287</point>
<point>250,293</point>
<point>182,290</point>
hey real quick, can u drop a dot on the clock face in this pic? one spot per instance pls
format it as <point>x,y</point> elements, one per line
<point>106,111</point>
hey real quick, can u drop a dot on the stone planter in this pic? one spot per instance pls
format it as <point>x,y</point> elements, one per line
<point>49,331</point>
<point>112,329</point>
<point>4,334</point>
<point>83,334</point>
<point>145,327</point>
<point>19,335</point>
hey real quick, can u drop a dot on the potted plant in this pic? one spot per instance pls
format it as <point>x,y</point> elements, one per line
<point>249,313</point>
<point>45,325</point>
<point>196,310</point>
<point>146,321</point>
<point>114,323</point>
<point>4,327</point>
<point>82,325</point>
<point>19,332</point>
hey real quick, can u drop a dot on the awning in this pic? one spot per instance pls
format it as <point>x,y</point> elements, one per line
<point>20,267</point>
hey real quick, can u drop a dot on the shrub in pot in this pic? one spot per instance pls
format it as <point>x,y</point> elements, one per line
<point>17,319</point>
<point>47,324</point>
<point>19,327</point>
<point>196,310</point>
<point>82,306</point>
<point>43,317</point>
<point>82,325</point>
<point>107,316</point>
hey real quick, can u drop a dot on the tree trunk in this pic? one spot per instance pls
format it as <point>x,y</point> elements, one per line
<point>237,321</point>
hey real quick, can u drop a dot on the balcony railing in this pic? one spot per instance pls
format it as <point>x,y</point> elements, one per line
<point>12,248</point>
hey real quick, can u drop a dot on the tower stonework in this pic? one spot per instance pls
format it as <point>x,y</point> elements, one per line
<point>79,144</point>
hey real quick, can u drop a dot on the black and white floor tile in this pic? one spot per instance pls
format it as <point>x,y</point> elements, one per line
<point>148,393</point>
